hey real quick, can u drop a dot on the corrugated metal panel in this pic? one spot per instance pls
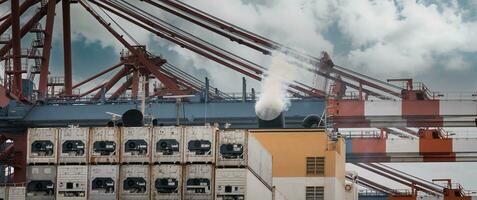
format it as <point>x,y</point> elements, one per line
<point>135,145</point>
<point>260,160</point>
<point>166,182</point>
<point>72,182</point>
<point>458,108</point>
<point>435,146</point>
<point>73,145</point>
<point>402,145</point>
<point>199,145</point>
<point>3,192</point>
<point>199,182</point>
<point>42,145</point>
<point>41,182</point>
<point>369,146</point>
<point>134,182</point>
<point>382,108</point>
<point>104,145</point>
<point>167,145</point>
<point>16,193</point>
<point>103,182</point>
<point>464,145</point>
<point>420,107</point>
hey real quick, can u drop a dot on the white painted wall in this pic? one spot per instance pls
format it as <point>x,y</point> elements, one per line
<point>288,188</point>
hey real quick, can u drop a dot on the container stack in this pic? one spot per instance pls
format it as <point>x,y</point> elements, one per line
<point>172,162</point>
<point>42,159</point>
<point>167,156</point>
<point>199,157</point>
<point>104,163</point>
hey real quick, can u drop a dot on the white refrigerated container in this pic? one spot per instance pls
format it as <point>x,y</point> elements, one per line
<point>16,193</point>
<point>104,145</point>
<point>134,182</point>
<point>199,182</point>
<point>42,145</point>
<point>199,144</point>
<point>3,192</point>
<point>103,182</point>
<point>73,145</point>
<point>166,182</point>
<point>238,148</point>
<point>167,144</point>
<point>240,183</point>
<point>72,182</point>
<point>41,182</point>
<point>135,145</point>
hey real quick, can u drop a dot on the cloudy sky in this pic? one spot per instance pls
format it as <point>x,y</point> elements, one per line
<point>433,41</point>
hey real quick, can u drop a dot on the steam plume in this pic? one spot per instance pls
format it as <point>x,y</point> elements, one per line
<point>273,100</point>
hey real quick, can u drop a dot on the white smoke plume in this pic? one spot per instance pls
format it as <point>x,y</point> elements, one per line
<point>273,99</point>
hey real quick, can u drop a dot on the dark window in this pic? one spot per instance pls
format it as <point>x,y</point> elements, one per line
<point>315,166</point>
<point>315,193</point>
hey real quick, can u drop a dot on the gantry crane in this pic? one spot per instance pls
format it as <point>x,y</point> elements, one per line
<point>369,102</point>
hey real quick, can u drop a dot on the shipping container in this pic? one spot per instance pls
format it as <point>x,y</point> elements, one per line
<point>3,192</point>
<point>42,145</point>
<point>72,182</point>
<point>104,145</point>
<point>166,182</point>
<point>199,182</point>
<point>238,148</point>
<point>135,145</point>
<point>134,182</point>
<point>167,144</point>
<point>199,145</point>
<point>41,182</point>
<point>16,193</point>
<point>240,183</point>
<point>103,182</point>
<point>73,145</point>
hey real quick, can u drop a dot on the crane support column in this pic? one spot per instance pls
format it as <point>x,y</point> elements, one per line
<point>16,44</point>
<point>67,47</point>
<point>50,20</point>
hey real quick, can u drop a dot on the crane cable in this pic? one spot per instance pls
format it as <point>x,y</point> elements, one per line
<point>120,27</point>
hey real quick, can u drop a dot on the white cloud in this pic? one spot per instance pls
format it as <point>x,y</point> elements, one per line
<point>410,38</point>
<point>457,63</point>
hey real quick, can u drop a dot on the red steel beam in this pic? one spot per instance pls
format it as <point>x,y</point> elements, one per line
<point>4,18</point>
<point>92,90</point>
<point>140,56</point>
<point>192,45</point>
<point>234,33</point>
<point>16,44</point>
<point>121,89</point>
<point>7,152</point>
<point>123,72</point>
<point>98,75</point>
<point>166,31</point>
<point>404,182</point>
<point>26,28</point>
<point>67,48</point>
<point>8,21</point>
<point>50,20</point>
<point>220,32</point>
<point>135,84</point>
<point>404,177</point>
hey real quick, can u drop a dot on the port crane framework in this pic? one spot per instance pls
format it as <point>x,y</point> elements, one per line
<point>354,99</point>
